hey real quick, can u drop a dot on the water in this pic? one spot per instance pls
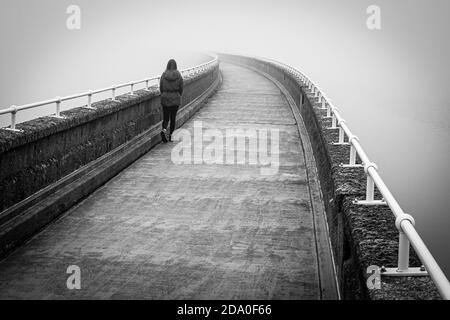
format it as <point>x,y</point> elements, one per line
<point>391,85</point>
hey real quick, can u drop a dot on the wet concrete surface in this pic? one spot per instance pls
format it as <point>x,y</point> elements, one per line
<point>160,230</point>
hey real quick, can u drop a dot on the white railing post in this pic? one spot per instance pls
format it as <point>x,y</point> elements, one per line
<point>89,105</point>
<point>333,122</point>
<point>341,140</point>
<point>58,107</point>
<point>341,135</point>
<point>13,110</point>
<point>352,155</point>
<point>403,252</point>
<point>403,242</point>
<point>403,268</point>
<point>132,89</point>
<point>324,104</point>
<point>113,94</point>
<point>370,188</point>
<point>13,117</point>
<point>353,152</point>
<point>146,85</point>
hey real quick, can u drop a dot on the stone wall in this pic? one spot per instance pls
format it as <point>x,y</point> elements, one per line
<point>361,236</point>
<point>55,162</point>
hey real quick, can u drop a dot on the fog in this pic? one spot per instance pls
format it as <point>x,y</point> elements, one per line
<point>390,84</point>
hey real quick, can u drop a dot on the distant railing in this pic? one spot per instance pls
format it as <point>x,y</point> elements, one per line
<point>403,221</point>
<point>13,110</point>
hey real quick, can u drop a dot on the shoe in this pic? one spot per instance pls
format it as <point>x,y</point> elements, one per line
<point>163,135</point>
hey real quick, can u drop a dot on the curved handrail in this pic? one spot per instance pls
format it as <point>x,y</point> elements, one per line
<point>404,222</point>
<point>57,100</point>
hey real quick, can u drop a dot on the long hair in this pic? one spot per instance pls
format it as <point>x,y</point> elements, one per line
<point>171,65</point>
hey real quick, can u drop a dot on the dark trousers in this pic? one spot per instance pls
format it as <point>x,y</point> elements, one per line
<point>169,113</point>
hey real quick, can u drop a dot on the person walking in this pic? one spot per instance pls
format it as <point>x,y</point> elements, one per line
<point>171,88</point>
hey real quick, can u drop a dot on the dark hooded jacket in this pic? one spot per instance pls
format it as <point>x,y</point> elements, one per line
<point>171,87</point>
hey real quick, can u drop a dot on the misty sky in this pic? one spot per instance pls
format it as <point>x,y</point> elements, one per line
<point>391,85</point>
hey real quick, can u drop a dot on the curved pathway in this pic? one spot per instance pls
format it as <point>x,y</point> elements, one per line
<point>160,230</point>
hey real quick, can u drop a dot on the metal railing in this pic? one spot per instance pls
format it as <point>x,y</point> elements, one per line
<point>13,110</point>
<point>403,221</point>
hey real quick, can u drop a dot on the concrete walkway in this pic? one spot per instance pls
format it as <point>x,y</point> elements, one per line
<point>164,231</point>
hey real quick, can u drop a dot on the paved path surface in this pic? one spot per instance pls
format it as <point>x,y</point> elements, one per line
<point>164,231</point>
